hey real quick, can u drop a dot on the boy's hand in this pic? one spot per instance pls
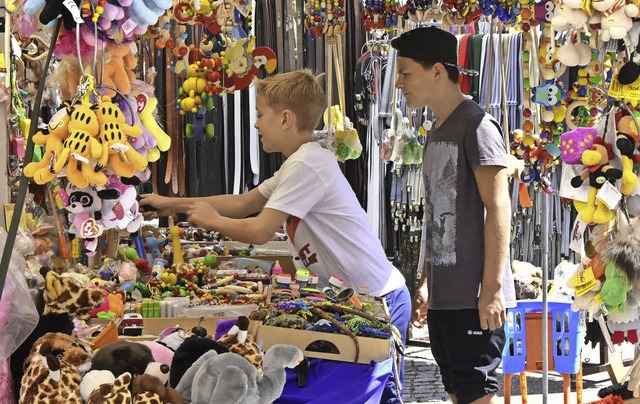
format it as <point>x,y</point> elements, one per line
<point>202,214</point>
<point>491,309</point>
<point>155,206</point>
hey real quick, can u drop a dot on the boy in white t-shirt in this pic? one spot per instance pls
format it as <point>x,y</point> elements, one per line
<point>328,229</point>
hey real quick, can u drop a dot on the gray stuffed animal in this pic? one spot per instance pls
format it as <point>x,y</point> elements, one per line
<point>229,378</point>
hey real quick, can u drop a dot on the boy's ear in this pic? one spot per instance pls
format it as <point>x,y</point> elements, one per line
<point>287,118</point>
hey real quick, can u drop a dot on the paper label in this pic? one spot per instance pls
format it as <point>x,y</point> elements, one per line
<point>74,10</point>
<point>580,194</point>
<point>119,147</point>
<point>609,195</point>
<point>577,236</point>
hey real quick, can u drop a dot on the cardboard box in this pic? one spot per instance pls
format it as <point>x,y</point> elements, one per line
<point>154,326</point>
<point>371,349</point>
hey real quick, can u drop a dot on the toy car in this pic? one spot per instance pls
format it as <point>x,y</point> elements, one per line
<point>131,325</point>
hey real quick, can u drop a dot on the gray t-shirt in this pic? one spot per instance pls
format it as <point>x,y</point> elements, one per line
<point>454,212</point>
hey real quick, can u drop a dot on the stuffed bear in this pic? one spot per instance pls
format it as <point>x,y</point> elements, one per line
<point>614,17</point>
<point>600,171</point>
<point>121,357</point>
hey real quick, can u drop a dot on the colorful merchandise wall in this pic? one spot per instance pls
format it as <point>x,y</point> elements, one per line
<point>107,100</point>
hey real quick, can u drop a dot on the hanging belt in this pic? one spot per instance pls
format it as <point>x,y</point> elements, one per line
<point>237,141</point>
<point>463,60</point>
<point>225,140</point>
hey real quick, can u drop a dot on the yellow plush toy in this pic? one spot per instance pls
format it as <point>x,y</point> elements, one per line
<point>123,159</point>
<point>627,142</point>
<point>56,132</point>
<point>145,113</point>
<point>118,71</point>
<point>80,147</point>
<point>599,171</point>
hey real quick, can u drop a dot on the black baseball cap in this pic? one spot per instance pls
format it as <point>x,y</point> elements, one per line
<point>430,44</point>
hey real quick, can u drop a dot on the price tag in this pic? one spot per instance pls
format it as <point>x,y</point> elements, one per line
<point>609,195</point>
<point>119,147</point>
<point>74,10</point>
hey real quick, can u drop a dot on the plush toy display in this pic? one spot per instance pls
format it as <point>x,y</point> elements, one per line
<point>230,378</point>
<point>54,369</point>
<point>576,142</point>
<point>189,352</point>
<point>597,160</point>
<point>84,206</point>
<point>62,298</point>
<point>146,107</point>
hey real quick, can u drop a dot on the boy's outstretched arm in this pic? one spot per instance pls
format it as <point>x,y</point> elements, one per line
<point>236,206</point>
<point>253,230</point>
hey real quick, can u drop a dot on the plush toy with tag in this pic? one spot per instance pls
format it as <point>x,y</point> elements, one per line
<point>54,369</point>
<point>615,288</point>
<point>113,135</point>
<point>67,9</point>
<point>599,171</point>
<point>84,207</point>
<point>627,142</point>
<point>52,137</point>
<point>615,18</point>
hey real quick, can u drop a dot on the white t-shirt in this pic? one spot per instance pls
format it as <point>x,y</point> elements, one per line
<point>328,228</point>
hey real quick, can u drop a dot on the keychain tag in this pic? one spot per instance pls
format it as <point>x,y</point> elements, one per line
<point>74,10</point>
<point>609,195</point>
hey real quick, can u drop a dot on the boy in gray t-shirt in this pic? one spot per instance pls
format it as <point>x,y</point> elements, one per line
<point>467,216</point>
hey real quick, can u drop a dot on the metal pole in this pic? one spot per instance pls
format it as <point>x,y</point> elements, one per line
<point>545,305</point>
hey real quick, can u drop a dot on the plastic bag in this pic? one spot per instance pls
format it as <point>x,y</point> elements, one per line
<point>18,313</point>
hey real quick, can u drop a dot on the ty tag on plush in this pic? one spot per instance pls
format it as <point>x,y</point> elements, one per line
<point>74,10</point>
<point>609,195</point>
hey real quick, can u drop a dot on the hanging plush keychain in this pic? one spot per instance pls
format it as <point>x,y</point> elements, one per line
<point>113,135</point>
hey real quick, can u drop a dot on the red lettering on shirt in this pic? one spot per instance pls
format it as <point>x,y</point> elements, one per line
<point>307,256</point>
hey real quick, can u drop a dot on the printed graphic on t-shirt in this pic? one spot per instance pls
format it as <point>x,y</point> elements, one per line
<point>441,176</point>
<point>306,254</point>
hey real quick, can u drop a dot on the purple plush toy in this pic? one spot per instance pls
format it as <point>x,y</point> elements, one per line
<point>575,142</point>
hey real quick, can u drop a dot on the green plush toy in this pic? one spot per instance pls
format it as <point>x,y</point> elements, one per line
<point>615,288</point>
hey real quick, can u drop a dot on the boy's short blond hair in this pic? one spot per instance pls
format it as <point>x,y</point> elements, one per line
<point>297,91</point>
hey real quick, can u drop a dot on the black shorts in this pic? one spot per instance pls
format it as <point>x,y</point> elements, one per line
<point>467,355</point>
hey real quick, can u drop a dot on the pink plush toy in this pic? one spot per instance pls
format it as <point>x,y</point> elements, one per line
<point>575,142</point>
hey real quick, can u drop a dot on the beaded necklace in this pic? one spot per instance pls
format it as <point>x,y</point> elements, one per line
<point>324,17</point>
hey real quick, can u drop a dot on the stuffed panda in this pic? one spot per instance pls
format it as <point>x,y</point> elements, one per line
<point>84,207</point>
